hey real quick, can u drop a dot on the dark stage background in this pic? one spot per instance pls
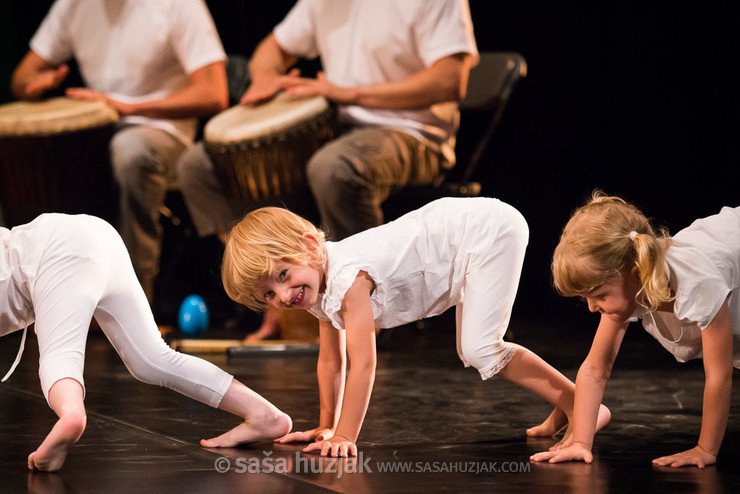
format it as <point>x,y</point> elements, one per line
<point>636,98</point>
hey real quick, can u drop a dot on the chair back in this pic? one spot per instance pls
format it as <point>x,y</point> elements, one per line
<point>491,81</point>
<point>489,86</point>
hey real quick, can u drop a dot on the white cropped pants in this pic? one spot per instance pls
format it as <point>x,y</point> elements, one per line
<point>85,271</point>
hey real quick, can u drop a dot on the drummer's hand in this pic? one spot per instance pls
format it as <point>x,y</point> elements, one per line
<point>265,87</point>
<point>302,86</point>
<point>46,80</point>
<point>85,94</point>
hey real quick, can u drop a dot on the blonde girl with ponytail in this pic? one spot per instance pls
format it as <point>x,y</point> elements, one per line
<point>686,291</point>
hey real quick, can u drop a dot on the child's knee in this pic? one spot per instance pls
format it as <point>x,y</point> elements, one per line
<point>490,359</point>
<point>159,366</point>
<point>147,371</point>
<point>186,374</point>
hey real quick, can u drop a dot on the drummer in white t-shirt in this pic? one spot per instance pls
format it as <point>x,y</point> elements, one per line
<point>396,70</point>
<point>161,66</point>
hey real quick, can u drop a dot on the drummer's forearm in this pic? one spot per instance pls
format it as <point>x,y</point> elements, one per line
<point>18,84</point>
<point>207,95</point>
<point>22,75</point>
<point>443,81</point>
<point>33,76</point>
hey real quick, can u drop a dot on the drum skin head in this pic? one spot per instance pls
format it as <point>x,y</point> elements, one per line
<point>244,122</point>
<point>53,116</point>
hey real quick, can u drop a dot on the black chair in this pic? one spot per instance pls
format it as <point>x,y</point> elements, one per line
<point>237,77</point>
<point>489,86</point>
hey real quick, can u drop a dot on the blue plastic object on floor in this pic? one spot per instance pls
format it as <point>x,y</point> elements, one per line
<point>193,317</point>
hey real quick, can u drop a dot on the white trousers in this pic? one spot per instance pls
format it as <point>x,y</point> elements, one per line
<point>85,270</point>
<point>490,288</point>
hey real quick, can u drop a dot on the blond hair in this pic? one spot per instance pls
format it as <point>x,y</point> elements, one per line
<point>257,243</point>
<point>603,240</point>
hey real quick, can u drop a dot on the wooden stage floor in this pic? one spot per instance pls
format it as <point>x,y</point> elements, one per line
<point>433,426</point>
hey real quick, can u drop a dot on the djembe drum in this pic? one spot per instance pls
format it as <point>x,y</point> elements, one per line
<point>54,158</point>
<point>260,151</point>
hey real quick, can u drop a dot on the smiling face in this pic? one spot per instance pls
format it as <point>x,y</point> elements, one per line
<point>294,286</point>
<point>617,300</point>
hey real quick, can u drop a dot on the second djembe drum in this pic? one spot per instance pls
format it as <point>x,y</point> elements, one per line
<point>260,151</point>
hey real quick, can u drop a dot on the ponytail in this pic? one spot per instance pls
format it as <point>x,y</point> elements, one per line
<point>650,261</point>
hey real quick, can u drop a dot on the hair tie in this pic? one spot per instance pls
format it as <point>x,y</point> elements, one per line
<point>633,235</point>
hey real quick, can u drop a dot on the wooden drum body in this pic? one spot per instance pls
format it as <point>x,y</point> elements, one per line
<point>260,152</point>
<point>54,158</point>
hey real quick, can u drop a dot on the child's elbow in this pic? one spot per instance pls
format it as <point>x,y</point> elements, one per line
<point>719,377</point>
<point>596,373</point>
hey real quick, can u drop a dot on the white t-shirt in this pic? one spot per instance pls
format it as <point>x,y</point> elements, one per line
<point>363,42</point>
<point>417,262</point>
<point>703,264</point>
<point>133,50</point>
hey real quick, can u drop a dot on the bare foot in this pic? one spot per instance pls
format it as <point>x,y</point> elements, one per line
<point>553,424</point>
<point>52,452</point>
<point>605,416</point>
<point>252,430</point>
<point>558,420</point>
